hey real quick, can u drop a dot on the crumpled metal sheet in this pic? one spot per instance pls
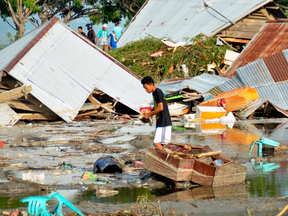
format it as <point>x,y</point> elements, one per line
<point>8,117</point>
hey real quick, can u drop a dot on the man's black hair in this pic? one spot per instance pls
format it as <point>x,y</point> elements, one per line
<point>80,27</point>
<point>147,80</point>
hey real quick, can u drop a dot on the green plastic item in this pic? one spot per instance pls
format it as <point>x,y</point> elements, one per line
<point>174,97</point>
<point>178,128</point>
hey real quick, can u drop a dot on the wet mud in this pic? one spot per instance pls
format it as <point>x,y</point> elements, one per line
<point>39,159</point>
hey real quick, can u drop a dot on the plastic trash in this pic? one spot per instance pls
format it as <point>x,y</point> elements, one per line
<point>33,177</point>
<point>37,205</point>
<point>107,164</point>
<point>218,162</point>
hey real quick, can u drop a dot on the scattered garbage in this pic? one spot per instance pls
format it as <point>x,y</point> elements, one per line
<point>37,205</point>
<point>107,164</point>
<point>34,177</point>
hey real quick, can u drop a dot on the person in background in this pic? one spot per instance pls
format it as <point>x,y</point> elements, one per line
<point>91,34</point>
<point>117,30</point>
<point>80,30</point>
<point>102,37</point>
<point>113,40</point>
<point>163,119</point>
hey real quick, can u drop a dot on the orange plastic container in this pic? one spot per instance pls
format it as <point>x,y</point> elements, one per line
<point>236,99</point>
<point>208,112</point>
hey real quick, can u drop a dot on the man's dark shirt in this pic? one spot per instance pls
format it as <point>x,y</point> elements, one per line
<point>91,36</point>
<point>83,33</point>
<point>163,118</point>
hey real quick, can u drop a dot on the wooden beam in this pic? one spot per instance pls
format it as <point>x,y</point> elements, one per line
<point>93,100</point>
<point>89,106</point>
<point>272,7</point>
<point>267,14</point>
<point>15,93</point>
<point>235,40</point>
<point>38,116</point>
<point>16,104</point>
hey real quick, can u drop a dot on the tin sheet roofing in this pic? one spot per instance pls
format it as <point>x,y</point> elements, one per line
<point>270,81</point>
<point>271,39</point>
<point>179,20</point>
<point>63,68</point>
<point>201,84</point>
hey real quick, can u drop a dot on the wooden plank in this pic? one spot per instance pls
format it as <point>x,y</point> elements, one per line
<point>93,100</point>
<point>38,116</point>
<point>267,14</point>
<point>89,106</point>
<point>15,93</point>
<point>16,104</point>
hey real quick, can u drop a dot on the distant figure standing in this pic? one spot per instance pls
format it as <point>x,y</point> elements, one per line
<point>117,30</point>
<point>80,30</point>
<point>91,34</point>
<point>102,37</point>
<point>113,40</point>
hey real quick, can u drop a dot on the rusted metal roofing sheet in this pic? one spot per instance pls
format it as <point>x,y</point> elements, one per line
<point>201,83</point>
<point>270,81</point>
<point>271,39</point>
<point>179,20</point>
<point>64,68</point>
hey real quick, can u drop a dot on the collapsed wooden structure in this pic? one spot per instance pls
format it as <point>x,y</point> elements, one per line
<point>186,162</point>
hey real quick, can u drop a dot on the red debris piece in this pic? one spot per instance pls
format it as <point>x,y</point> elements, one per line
<point>157,54</point>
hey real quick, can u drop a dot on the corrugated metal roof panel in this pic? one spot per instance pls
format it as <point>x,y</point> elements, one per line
<point>274,94</point>
<point>7,115</point>
<point>64,68</point>
<point>201,83</point>
<point>255,74</point>
<point>231,84</point>
<point>271,39</point>
<point>185,19</point>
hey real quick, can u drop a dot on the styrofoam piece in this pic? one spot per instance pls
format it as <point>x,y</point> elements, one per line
<point>209,112</point>
<point>8,117</point>
<point>188,117</point>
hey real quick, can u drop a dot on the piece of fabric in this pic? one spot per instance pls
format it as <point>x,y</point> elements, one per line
<point>113,43</point>
<point>163,118</point>
<point>118,31</point>
<point>103,37</point>
<point>163,135</point>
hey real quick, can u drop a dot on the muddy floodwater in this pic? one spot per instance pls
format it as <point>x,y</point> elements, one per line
<point>57,155</point>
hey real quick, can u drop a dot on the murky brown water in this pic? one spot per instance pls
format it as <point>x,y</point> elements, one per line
<point>263,179</point>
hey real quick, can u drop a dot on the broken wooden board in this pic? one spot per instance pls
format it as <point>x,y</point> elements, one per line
<point>38,116</point>
<point>15,93</point>
<point>21,105</point>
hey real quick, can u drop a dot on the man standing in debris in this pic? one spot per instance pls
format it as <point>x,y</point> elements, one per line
<point>117,30</point>
<point>163,120</point>
<point>102,37</point>
<point>80,30</point>
<point>91,34</point>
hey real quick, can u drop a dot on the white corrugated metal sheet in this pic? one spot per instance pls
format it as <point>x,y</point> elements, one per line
<point>178,20</point>
<point>8,117</point>
<point>64,68</point>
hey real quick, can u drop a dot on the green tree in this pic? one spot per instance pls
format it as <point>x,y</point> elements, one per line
<point>19,11</point>
<point>283,4</point>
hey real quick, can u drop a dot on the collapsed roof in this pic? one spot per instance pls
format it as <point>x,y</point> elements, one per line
<point>180,20</point>
<point>63,68</point>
